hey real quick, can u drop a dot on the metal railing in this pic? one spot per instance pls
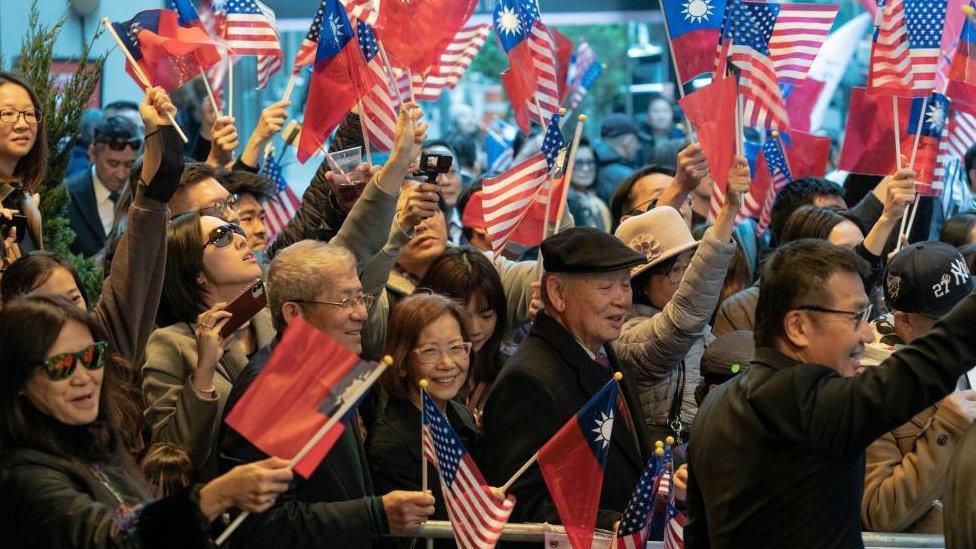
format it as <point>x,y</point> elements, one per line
<point>554,537</point>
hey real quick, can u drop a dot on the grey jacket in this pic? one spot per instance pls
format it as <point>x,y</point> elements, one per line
<point>654,344</point>
<point>176,412</point>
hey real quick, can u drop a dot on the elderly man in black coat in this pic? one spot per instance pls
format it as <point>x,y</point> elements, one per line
<point>563,362</point>
<point>776,457</point>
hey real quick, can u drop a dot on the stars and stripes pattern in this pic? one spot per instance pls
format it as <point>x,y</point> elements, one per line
<point>959,135</point>
<point>780,176</point>
<point>580,62</point>
<point>247,29</point>
<point>476,516</point>
<point>925,21</point>
<point>509,197</point>
<point>798,35</point>
<point>545,102</point>
<point>748,30</point>
<point>268,64</point>
<point>553,141</point>
<point>635,522</point>
<point>367,11</point>
<point>378,102</point>
<point>454,62</point>
<point>213,20</point>
<point>283,206</point>
<point>890,65</point>
<point>306,51</point>
<point>579,91</point>
<point>674,524</point>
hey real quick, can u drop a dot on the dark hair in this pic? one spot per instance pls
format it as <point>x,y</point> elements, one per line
<point>29,272</point>
<point>114,127</point>
<point>408,318</point>
<point>240,182</point>
<point>431,143</point>
<point>464,273</point>
<point>31,169</point>
<point>811,222</point>
<point>798,271</point>
<point>798,193</point>
<point>465,150</point>
<point>29,327</point>
<point>957,229</point>
<point>970,161</point>
<point>462,203</point>
<point>638,284</point>
<point>121,105</point>
<point>621,202</point>
<point>195,172</point>
<point>168,468</point>
<point>182,298</point>
<point>969,254</point>
<point>858,185</point>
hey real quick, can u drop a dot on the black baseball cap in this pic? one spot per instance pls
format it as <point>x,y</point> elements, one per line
<point>927,278</point>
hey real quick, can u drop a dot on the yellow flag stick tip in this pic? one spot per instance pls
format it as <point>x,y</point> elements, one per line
<point>106,20</point>
<point>669,441</point>
<point>424,383</point>
<point>562,111</point>
<point>659,452</point>
<point>775,133</point>
<point>582,118</point>
<point>618,376</point>
<point>659,444</point>
<point>388,360</point>
<point>968,10</point>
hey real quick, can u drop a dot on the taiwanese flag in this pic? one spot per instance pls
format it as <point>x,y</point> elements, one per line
<point>572,464</point>
<point>308,378</point>
<point>169,54</point>
<point>933,122</point>
<point>962,74</point>
<point>695,28</point>
<point>333,90</point>
<point>513,20</point>
<point>415,34</point>
<point>869,140</point>
<point>711,110</point>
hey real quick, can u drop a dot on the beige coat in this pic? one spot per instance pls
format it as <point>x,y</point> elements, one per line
<point>176,412</point>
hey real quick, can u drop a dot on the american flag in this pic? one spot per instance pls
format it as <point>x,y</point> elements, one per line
<point>586,82</point>
<point>674,525</point>
<point>890,65</point>
<point>581,61</point>
<point>247,29</point>
<point>553,141</point>
<point>510,196</point>
<point>306,52</point>
<point>950,172</point>
<point>798,35</point>
<point>748,30</point>
<point>268,64</point>
<point>283,205</point>
<point>925,20</point>
<point>476,516</point>
<point>454,62</point>
<point>632,533</point>
<point>544,59</point>
<point>780,177</point>
<point>367,11</point>
<point>378,111</point>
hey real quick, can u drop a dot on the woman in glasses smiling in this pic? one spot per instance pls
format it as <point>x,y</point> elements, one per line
<point>65,478</point>
<point>427,340</point>
<point>190,368</point>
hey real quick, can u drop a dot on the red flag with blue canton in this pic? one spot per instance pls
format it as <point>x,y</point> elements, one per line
<point>632,533</point>
<point>477,518</point>
<point>168,54</point>
<point>572,464</point>
<point>307,379</point>
<point>333,90</point>
<point>532,82</point>
<point>933,121</point>
<point>962,74</point>
<point>695,27</point>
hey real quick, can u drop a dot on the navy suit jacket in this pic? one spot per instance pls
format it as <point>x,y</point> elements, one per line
<point>83,215</point>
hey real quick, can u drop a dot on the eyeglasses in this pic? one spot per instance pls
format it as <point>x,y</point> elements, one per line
<point>60,367</point>
<point>858,317</point>
<point>221,207</point>
<point>11,116</point>
<point>430,354</point>
<point>223,235</point>
<point>677,272</point>
<point>119,144</point>
<point>365,299</point>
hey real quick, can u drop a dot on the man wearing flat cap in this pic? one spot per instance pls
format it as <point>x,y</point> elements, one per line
<point>563,362</point>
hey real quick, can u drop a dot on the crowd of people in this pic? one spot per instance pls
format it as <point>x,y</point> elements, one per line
<point>816,379</point>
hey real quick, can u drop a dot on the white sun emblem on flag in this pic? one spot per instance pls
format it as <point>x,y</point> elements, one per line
<point>936,117</point>
<point>335,25</point>
<point>509,21</point>
<point>604,426</point>
<point>697,11</point>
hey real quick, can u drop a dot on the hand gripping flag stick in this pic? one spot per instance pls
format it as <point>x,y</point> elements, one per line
<point>319,435</point>
<point>138,70</point>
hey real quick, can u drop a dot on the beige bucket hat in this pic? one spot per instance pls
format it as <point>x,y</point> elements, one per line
<point>660,233</point>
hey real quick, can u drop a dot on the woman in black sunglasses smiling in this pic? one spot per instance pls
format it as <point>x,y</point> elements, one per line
<point>190,368</point>
<point>65,478</point>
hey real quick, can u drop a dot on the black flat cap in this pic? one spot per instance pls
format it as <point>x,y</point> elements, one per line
<point>587,250</point>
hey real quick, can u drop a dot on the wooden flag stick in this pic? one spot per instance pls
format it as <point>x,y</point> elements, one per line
<point>388,69</point>
<point>570,165</point>
<point>290,87</point>
<point>138,70</point>
<point>230,85</point>
<point>210,93</point>
<point>906,226</point>
<point>362,128</point>
<point>347,405</point>
<point>508,485</point>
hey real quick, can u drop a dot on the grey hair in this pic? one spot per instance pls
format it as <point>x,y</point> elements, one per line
<point>301,272</point>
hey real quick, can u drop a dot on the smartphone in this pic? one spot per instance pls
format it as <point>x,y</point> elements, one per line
<point>19,222</point>
<point>247,304</point>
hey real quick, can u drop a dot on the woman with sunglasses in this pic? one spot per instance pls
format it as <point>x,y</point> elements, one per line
<point>66,480</point>
<point>427,339</point>
<point>23,165</point>
<point>190,369</point>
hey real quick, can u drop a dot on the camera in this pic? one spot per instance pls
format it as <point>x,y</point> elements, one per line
<point>433,164</point>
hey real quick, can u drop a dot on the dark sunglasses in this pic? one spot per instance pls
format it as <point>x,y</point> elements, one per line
<point>60,367</point>
<point>224,235</point>
<point>118,144</point>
